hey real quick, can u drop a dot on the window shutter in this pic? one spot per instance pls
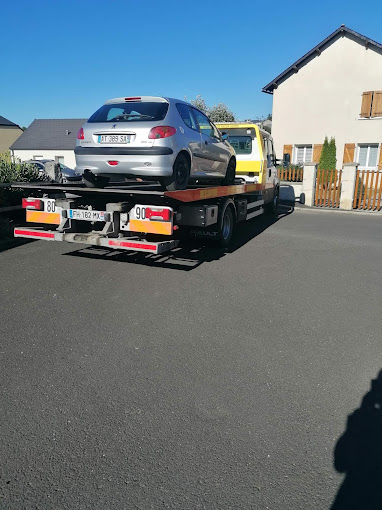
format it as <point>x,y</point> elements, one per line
<point>367,98</point>
<point>376,110</point>
<point>317,149</point>
<point>349,152</point>
<point>380,158</point>
<point>288,149</point>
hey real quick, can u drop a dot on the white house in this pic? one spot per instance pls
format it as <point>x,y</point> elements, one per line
<point>49,139</point>
<point>333,90</point>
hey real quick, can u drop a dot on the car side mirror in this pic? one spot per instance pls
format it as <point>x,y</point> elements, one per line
<point>224,136</point>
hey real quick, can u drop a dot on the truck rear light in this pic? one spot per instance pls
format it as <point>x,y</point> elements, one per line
<point>161,132</point>
<point>161,214</point>
<point>31,203</point>
<point>113,163</point>
<point>80,134</point>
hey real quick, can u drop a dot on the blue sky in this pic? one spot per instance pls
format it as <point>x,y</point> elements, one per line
<point>64,58</point>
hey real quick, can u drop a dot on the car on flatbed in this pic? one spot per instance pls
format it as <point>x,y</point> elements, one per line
<point>153,138</point>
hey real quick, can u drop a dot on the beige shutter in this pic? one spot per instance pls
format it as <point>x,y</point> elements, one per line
<point>380,158</point>
<point>376,110</point>
<point>349,152</point>
<point>288,149</point>
<point>367,98</point>
<point>317,149</point>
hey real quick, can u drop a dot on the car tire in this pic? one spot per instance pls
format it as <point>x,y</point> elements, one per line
<point>226,226</point>
<point>180,175</point>
<point>94,181</point>
<point>230,174</point>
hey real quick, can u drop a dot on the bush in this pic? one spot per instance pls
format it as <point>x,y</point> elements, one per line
<point>11,172</point>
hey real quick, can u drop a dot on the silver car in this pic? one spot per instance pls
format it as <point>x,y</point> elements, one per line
<point>152,138</point>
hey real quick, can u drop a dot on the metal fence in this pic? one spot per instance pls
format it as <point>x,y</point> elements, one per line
<point>368,190</point>
<point>328,188</point>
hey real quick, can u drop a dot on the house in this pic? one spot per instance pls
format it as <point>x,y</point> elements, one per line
<point>49,139</point>
<point>333,90</point>
<point>9,132</point>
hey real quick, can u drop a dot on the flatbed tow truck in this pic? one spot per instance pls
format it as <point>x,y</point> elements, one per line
<point>141,217</point>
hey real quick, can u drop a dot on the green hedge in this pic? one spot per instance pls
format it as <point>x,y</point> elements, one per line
<point>10,172</point>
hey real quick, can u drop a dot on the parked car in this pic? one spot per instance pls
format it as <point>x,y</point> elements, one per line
<point>68,174</point>
<point>153,138</point>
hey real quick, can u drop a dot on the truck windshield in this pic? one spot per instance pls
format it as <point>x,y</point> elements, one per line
<point>130,112</point>
<point>241,144</point>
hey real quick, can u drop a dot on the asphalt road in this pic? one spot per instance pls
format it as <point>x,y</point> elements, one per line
<point>199,381</point>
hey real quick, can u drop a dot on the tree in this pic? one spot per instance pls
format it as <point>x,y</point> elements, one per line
<point>218,113</point>
<point>221,113</point>
<point>324,158</point>
<point>269,116</point>
<point>199,103</point>
<point>332,162</point>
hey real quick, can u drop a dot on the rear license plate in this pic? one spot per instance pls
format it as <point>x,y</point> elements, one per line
<point>114,138</point>
<point>86,215</point>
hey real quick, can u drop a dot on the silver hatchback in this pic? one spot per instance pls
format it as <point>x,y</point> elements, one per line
<point>152,138</point>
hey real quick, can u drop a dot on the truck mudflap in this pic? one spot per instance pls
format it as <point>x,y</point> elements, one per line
<point>95,239</point>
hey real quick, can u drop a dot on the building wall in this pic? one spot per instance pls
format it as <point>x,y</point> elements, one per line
<point>69,158</point>
<point>8,135</point>
<point>324,98</point>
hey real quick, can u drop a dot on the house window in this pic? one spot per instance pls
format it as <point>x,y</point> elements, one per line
<point>367,156</point>
<point>303,154</point>
<point>371,104</point>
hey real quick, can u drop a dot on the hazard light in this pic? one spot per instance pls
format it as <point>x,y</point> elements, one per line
<point>158,214</point>
<point>31,203</point>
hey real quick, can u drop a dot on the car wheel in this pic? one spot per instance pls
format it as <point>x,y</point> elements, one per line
<point>272,207</point>
<point>230,174</point>
<point>226,226</point>
<point>94,181</point>
<point>180,175</point>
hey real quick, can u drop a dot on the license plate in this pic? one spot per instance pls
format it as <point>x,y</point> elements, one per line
<point>114,138</point>
<point>86,215</point>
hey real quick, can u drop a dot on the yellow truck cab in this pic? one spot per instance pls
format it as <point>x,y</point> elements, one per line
<point>254,150</point>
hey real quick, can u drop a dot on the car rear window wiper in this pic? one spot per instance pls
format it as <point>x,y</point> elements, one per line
<point>140,115</point>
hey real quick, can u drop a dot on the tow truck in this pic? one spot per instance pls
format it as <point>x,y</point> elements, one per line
<point>141,217</point>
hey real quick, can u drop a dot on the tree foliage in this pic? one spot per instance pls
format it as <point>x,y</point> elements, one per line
<point>218,113</point>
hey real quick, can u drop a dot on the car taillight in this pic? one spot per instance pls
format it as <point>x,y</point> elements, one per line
<point>161,132</point>
<point>29,203</point>
<point>80,134</point>
<point>163,214</point>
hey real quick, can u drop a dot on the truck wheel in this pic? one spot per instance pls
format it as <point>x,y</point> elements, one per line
<point>272,207</point>
<point>226,226</point>
<point>180,175</point>
<point>230,174</point>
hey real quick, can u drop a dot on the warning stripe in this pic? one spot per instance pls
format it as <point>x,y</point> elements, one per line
<point>139,246</point>
<point>34,233</point>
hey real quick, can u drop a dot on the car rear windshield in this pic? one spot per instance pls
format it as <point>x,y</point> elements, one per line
<point>130,112</point>
<point>241,144</point>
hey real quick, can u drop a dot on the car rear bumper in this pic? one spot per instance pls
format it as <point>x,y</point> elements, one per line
<point>134,161</point>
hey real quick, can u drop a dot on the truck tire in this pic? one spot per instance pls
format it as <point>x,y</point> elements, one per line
<point>272,207</point>
<point>230,174</point>
<point>226,226</point>
<point>180,175</point>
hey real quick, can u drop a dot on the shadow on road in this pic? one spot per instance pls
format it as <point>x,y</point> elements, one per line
<point>188,256</point>
<point>358,454</point>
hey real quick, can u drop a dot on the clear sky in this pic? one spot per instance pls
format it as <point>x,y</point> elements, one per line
<point>64,58</point>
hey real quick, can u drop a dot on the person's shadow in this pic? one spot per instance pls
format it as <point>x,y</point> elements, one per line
<point>358,454</point>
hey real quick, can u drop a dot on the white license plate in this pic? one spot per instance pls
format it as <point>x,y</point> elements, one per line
<point>114,138</point>
<point>86,215</point>
<point>151,213</point>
